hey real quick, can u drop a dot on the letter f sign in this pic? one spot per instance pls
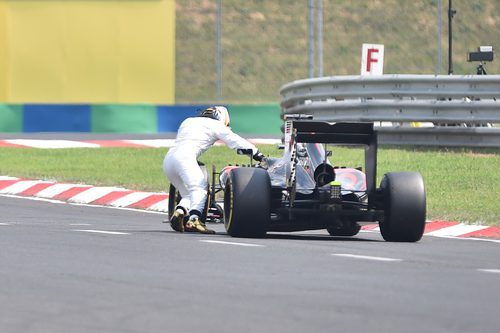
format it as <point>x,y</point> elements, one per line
<point>372,61</point>
<point>371,58</point>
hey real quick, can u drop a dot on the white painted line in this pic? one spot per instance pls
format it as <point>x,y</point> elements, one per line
<point>497,271</point>
<point>103,232</point>
<point>355,256</point>
<point>111,207</point>
<point>265,141</point>
<point>20,186</point>
<point>369,231</point>
<point>456,230</point>
<point>160,143</point>
<point>8,178</point>
<point>56,189</point>
<point>52,144</point>
<point>32,198</point>
<point>231,243</point>
<point>2,223</point>
<point>472,238</point>
<point>93,194</point>
<point>130,199</point>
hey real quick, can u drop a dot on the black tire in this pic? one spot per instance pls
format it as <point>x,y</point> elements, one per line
<point>345,230</point>
<point>404,207</point>
<point>173,200</point>
<point>247,203</point>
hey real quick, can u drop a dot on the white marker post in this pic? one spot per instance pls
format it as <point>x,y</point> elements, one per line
<point>372,59</point>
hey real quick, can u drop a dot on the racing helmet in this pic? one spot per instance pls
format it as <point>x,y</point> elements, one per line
<point>219,113</point>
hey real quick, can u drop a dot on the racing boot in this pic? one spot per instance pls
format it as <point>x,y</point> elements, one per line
<point>194,224</point>
<point>177,219</point>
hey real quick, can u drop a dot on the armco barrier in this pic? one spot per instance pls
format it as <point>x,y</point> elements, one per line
<point>458,110</point>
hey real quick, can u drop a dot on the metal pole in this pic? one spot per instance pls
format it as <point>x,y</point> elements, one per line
<point>320,38</point>
<point>439,59</point>
<point>311,38</point>
<point>218,50</point>
<point>451,13</point>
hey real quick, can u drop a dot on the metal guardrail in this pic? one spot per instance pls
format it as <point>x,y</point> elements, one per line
<point>455,108</point>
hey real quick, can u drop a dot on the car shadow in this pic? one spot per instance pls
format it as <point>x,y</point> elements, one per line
<point>324,238</point>
<point>272,235</point>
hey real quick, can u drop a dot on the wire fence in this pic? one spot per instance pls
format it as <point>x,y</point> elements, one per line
<point>244,51</point>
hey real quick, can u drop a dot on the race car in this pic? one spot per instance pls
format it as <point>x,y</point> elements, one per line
<point>302,190</point>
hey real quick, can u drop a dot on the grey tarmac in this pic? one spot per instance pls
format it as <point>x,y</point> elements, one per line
<point>69,268</point>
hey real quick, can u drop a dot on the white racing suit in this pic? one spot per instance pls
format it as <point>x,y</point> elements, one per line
<point>194,137</point>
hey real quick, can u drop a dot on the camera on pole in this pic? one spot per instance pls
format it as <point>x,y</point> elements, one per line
<point>483,54</point>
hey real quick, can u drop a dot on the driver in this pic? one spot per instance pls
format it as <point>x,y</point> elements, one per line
<point>194,137</point>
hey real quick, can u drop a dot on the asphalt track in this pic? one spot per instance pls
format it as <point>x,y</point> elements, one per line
<point>69,268</point>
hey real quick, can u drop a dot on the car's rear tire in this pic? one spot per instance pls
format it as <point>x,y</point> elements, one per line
<point>247,203</point>
<point>404,205</point>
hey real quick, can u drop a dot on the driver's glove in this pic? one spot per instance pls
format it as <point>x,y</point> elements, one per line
<point>258,156</point>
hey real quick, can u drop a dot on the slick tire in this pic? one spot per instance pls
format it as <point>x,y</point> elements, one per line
<point>404,205</point>
<point>247,203</point>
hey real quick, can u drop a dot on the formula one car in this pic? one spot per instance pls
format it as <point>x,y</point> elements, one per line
<point>302,190</point>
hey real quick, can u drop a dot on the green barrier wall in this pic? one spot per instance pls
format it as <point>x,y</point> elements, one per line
<point>11,118</point>
<point>111,118</point>
<point>255,119</point>
<point>252,119</point>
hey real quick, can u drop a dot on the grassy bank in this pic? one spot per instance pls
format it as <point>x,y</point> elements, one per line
<point>461,184</point>
<point>265,43</point>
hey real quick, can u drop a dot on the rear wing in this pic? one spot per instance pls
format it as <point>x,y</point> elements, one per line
<point>300,131</point>
<point>334,133</point>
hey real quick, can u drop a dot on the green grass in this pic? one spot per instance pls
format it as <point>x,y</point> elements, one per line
<point>138,169</point>
<point>265,43</point>
<point>461,184</point>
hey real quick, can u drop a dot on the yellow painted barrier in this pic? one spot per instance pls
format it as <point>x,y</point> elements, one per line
<point>79,51</point>
<point>3,53</point>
